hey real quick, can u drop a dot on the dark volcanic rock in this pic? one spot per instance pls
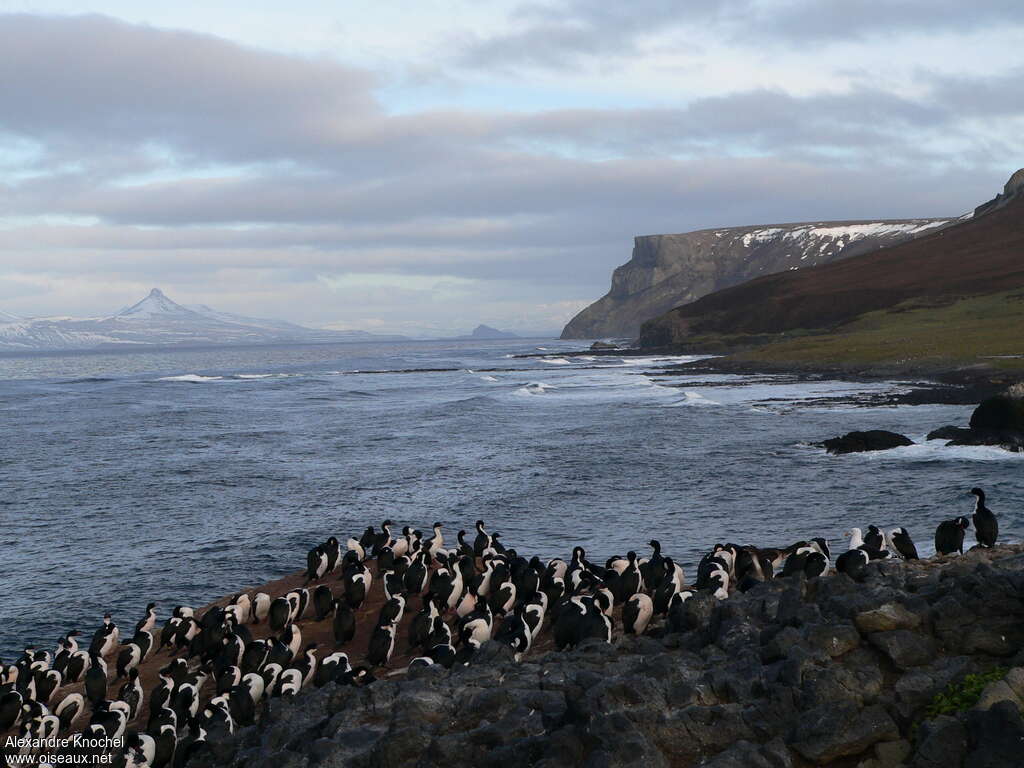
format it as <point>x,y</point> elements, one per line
<point>941,743</point>
<point>904,648</point>
<point>831,732</point>
<point>996,737</point>
<point>998,421</point>
<point>872,440</point>
<point>999,412</point>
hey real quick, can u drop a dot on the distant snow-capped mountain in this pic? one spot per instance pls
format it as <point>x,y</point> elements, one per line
<point>157,320</point>
<point>7,317</point>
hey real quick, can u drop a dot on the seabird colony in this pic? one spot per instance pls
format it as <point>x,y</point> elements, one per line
<point>218,675</point>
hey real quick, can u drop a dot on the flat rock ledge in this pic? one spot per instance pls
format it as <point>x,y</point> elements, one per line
<point>793,673</point>
<point>871,440</point>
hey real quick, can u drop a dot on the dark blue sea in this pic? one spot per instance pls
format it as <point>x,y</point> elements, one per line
<point>181,476</point>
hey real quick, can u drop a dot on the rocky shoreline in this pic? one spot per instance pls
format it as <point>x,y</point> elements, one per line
<point>793,673</point>
<point>926,385</point>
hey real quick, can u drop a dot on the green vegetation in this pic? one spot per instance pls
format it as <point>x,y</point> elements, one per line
<point>919,333</point>
<point>959,697</point>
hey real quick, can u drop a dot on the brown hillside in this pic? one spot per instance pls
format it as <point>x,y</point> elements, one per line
<point>979,256</point>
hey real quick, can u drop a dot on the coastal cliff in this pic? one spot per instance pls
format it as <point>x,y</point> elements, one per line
<point>792,674</point>
<point>666,271</point>
<point>951,296</point>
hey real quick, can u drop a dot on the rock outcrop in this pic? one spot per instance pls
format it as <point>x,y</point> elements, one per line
<point>792,673</point>
<point>997,421</point>
<point>872,440</point>
<point>668,270</point>
<point>1013,189</point>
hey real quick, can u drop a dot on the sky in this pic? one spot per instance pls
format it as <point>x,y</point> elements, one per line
<point>422,167</point>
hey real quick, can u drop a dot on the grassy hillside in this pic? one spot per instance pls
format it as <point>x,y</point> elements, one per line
<point>919,333</point>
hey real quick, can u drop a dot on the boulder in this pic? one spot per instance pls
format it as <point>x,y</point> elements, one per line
<point>886,618</point>
<point>904,648</point>
<point>832,639</point>
<point>949,432</point>
<point>941,743</point>
<point>995,692</point>
<point>872,440</point>
<point>828,733</point>
<point>892,753</point>
<point>996,737</point>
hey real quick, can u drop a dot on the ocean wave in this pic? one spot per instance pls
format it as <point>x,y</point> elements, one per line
<point>192,378</point>
<point>534,388</point>
<point>488,378</point>
<point>87,380</point>
<point>555,361</point>
<point>693,398</point>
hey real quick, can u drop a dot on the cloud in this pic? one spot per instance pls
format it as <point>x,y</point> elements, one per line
<point>95,80</point>
<point>569,33</point>
<point>232,175</point>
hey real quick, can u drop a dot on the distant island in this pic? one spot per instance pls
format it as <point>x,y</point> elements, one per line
<point>486,332</point>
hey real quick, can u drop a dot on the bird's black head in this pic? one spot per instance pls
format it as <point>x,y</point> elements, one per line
<point>150,606</point>
<point>978,492</point>
<point>962,522</point>
<point>654,543</point>
<point>479,524</point>
<point>437,525</point>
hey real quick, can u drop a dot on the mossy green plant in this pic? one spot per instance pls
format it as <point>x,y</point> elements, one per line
<point>958,697</point>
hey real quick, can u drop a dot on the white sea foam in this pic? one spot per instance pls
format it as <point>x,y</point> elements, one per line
<point>636,362</point>
<point>193,378</point>
<point>534,388</point>
<point>555,360</point>
<point>488,378</point>
<point>937,450</point>
<point>693,398</point>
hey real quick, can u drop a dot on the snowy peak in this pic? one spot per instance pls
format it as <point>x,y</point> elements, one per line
<point>157,320</point>
<point>155,305</point>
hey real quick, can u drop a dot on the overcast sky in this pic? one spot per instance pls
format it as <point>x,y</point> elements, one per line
<point>407,166</point>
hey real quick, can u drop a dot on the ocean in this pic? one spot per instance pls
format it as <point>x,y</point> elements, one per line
<point>184,475</point>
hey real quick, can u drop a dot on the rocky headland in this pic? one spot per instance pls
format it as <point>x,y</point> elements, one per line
<point>794,672</point>
<point>665,271</point>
